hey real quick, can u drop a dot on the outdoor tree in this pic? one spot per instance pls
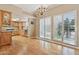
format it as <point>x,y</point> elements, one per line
<point>59,29</point>
<point>67,27</point>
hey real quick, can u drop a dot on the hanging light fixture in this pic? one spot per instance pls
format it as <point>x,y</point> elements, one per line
<point>40,11</point>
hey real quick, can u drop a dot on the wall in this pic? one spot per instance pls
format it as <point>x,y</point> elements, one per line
<point>62,8</point>
<point>37,27</point>
<point>32,28</point>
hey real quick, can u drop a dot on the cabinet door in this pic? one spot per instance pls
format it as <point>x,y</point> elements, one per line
<point>6,18</point>
<point>5,38</point>
<point>0,39</point>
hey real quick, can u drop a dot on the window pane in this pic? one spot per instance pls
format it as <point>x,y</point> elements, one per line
<point>69,27</point>
<point>57,28</point>
<point>48,27</point>
<point>42,28</point>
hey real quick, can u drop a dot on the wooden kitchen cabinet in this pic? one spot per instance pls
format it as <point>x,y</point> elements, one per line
<point>18,27</point>
<point>5,18</point>
<point>5,22</point>
<point>5,38</point>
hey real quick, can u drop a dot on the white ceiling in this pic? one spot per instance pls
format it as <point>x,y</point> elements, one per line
<point>32,7</point>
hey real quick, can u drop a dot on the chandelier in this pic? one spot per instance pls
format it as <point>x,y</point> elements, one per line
<point>40,11</point>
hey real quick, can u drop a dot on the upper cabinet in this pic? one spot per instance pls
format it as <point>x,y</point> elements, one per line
<point>5,18</point>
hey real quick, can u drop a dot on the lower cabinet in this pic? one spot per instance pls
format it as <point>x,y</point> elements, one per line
<point>5,38</point>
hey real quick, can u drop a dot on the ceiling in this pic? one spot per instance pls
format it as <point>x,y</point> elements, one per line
<point>30,8</point>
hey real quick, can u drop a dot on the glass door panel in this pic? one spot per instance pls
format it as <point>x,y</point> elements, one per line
<point>48,27</point>
<point>57,28</point>
<point>69,28</point>
<point>42,28</point>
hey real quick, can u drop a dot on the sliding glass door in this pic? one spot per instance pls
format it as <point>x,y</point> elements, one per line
<point>57,28</point>
<point>45,28</point>
<point>42,25</point>
<point>48,27</point>
<point>69,28</point>
<point>64,28</point>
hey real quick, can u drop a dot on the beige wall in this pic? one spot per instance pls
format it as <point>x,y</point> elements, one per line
<point>32,28</point>
<point>62,8</point>
<point>37,27</point>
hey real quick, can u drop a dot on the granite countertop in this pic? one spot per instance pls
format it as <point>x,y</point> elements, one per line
<point>6,29</point>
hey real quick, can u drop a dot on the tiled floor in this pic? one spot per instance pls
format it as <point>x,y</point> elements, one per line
<point>26,46</point>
